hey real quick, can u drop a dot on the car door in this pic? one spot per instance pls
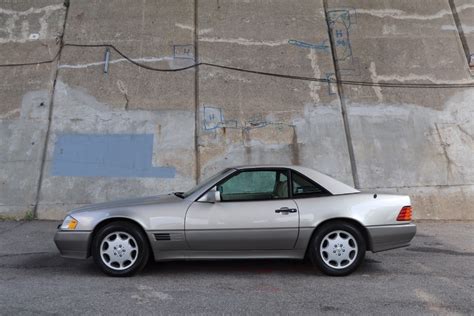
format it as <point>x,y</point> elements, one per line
<point>255,213</point>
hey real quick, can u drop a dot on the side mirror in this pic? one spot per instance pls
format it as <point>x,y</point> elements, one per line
<point>211,196</point>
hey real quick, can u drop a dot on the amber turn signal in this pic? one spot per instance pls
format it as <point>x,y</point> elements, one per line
<point>405,214</point>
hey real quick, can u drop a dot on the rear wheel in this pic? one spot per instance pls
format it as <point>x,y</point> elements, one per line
<point>338,248</point>
<point>120,249</point>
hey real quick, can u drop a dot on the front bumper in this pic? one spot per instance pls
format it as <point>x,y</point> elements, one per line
<point>390,236</point>
<point>73,244</point>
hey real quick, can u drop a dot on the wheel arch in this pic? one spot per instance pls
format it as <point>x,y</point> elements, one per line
<point>109,220</point>
<point>356,223</point>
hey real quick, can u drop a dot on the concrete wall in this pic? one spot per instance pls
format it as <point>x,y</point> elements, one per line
<point>72,134</point>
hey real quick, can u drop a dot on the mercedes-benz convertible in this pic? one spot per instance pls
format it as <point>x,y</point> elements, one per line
<point>245,212</point>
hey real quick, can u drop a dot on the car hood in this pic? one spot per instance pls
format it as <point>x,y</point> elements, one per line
<point>157,199</point>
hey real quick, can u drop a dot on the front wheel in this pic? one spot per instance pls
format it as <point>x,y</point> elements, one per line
<point>120,249</point>
<point>337,249</point>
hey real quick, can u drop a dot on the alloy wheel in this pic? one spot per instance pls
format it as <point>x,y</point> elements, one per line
<point>338,249</point>
<point>119,250</point>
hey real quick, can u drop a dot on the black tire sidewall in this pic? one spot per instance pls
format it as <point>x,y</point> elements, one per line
<point>315,254</point>
<point>142,243</point>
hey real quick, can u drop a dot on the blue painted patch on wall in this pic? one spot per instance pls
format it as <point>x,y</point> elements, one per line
<point>116,155</point>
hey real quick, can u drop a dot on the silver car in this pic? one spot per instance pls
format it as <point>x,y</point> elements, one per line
<point>245,212</point>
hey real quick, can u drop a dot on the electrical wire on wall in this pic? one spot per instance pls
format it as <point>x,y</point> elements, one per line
<point>263,73</point>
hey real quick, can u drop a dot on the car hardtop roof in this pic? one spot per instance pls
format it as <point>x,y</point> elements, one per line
<point>263,166</point>
<point>332,185</point>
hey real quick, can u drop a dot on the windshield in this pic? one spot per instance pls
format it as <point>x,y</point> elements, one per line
<point>204,183</point>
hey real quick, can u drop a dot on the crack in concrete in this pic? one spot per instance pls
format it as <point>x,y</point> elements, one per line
<point>444,146</point>
<point>123,89</point>
<point>464,131</point>
<point>126,101</point>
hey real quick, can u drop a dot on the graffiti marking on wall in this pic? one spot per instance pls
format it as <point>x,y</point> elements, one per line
<point>183,51</point>
<point>213,119</point>
<point>341,22</point>
<point>323,46</point>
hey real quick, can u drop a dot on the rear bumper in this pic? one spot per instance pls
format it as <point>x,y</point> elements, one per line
<point>73,244</point>
<point>390,236</point>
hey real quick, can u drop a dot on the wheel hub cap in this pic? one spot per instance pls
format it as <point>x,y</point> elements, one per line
<point>338,249</point>
<point>119,250</point>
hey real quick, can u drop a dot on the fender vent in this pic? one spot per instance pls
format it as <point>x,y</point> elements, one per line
<point>163,236</point>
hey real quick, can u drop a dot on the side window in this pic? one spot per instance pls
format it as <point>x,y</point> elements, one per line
<point>255,185</point>
<point>303,187</point>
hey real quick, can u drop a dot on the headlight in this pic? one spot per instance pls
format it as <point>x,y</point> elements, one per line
<point>69,223</point>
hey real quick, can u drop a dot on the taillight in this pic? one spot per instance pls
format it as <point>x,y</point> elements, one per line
<point>405,214</point>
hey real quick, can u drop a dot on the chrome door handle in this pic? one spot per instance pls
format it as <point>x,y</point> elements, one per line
<point>286,210</point>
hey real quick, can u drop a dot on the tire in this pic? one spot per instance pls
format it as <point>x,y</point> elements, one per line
<point>337,248</point>
<point>120,249</point>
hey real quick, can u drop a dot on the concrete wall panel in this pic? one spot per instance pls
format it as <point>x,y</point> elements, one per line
<point>265,36</point>
<point>401,42</point>
<point>126,86</point>
<point>253,119</point>
<point>132,131</point>
<point>78,113</point>
<point>144,117</point>
<point>237,127</point>
<point>404,145</point>
<point>411,140</point>
<point>23,124</point>
<point>136,27</point>
<point>28,34</point>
